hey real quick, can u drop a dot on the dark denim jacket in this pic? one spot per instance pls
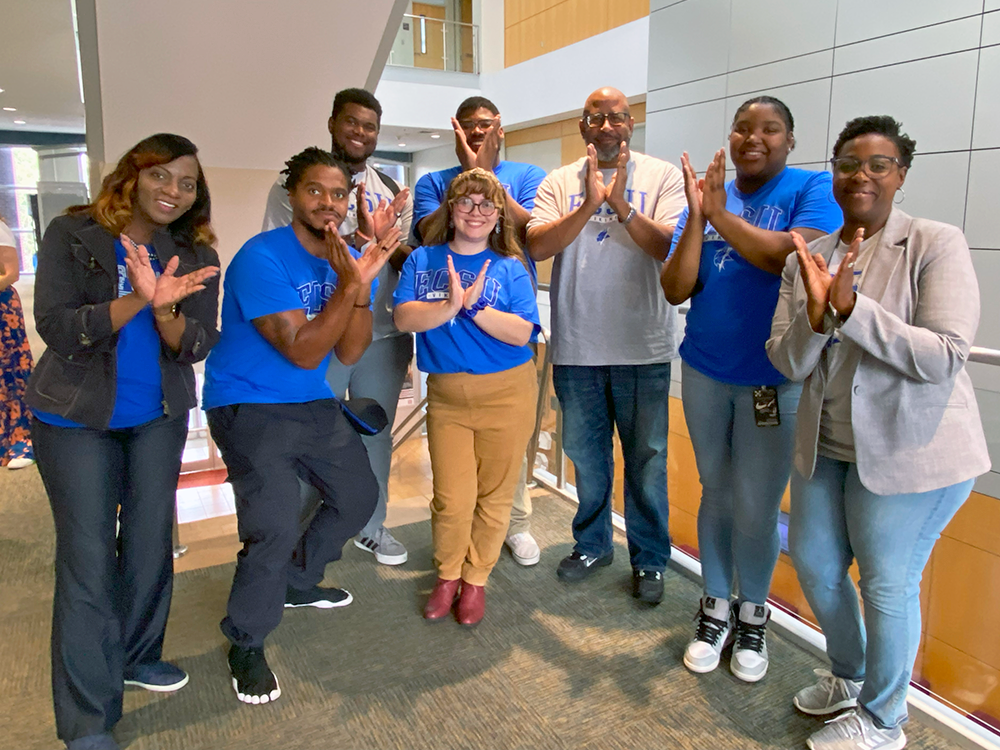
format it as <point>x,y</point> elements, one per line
<point>76,281</point>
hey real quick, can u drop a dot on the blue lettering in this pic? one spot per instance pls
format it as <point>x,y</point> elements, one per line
<point>491,291</point>
<point>575,200</point>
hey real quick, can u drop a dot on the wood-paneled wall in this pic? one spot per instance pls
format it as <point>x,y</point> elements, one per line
<point>535,27</point>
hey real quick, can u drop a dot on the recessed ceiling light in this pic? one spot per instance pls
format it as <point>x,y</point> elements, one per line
<point>435,135</point>
<point>9,109</point>
<point>1,91</point>
<point>19,122</point>
<point>402,145</point>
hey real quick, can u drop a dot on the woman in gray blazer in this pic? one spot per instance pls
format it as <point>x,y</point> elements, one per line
<point>877,319</point>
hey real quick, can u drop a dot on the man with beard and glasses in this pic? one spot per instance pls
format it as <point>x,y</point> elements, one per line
<point>293,297</point>
<point>478,141</point>
<point>608,219</point>
<point>354,127</point>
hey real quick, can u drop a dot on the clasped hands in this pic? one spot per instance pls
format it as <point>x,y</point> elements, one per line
<point>167,289</point>
<point>822,290</point>
<point>489,150</point>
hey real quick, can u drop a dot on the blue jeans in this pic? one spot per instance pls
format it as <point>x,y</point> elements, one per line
<point>836,520</point>
<point>744,470</point>
<point>379,375</point>
<point>112,592</point>
<point>594,400</point>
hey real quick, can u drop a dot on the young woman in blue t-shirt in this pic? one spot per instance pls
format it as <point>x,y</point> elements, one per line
<point>729,250</point>
<point>126,298</point>
<point>468,297</point>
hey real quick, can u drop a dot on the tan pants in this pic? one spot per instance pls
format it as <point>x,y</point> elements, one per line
<point>478,427</point>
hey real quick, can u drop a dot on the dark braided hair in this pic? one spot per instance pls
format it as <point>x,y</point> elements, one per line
<point>779,106</point>
<point>880,125</point>
<point>298,164</point>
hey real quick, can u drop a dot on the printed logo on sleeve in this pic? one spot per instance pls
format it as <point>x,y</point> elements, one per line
<point>314,295</point>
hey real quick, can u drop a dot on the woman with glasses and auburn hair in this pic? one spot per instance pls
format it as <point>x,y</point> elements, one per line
<point>729,248</point>
<point>468,296</point>
<point>126,297</point>
<point>15,361</point>
<point>877,319</point>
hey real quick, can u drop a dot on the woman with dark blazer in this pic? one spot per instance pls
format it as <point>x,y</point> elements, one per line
<point>126,298</point>
<point>877,319</point>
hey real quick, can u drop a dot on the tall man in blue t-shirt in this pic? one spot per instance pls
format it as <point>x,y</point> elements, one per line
<point>478,138</point>
<point>293,297</point>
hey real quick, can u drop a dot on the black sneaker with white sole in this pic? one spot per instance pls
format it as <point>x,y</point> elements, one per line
<point>647,586</point>
<point>577,566</point>
<point>253,680</point>
<point>317,597</point>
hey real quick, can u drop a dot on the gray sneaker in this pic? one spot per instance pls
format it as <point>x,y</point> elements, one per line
<point>384,546</point>
<point>829,695</point>
<point>855,730</point>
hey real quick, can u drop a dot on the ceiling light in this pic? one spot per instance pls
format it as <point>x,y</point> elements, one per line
<point>9,109</point>
<point>19,122</point>
<point>1,91</point>
<point>435,135</point>
<point>401,144</point>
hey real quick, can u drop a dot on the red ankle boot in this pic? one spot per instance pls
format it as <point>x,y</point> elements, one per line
<point>471,605</point>
<point>442,599</point>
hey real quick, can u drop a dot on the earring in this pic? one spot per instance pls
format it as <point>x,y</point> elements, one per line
<point>497,230</point>
<point>901,197</point>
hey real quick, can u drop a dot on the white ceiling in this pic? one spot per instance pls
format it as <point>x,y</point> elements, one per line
<point>38,67</point>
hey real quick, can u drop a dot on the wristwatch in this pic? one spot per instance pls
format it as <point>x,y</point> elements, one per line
<point>631,215</point>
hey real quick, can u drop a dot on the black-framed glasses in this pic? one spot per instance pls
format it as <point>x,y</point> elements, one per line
<point>597,119</point>
<point>471,125</point>
<point>466,206</point>
<point>875,167</point>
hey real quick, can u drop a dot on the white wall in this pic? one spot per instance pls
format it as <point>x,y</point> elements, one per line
<point>933,65</point>
<point>433,160</point>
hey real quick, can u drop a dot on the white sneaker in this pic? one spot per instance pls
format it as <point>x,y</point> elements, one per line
<point>386,548</point>
<point>19,463</point>
<point>715,630</point>
<point>524,548</point>
<point>829,695</point>
<point>855,730</point>
<point>749,661</point>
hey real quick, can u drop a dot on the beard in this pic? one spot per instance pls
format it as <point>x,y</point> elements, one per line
<point>319,234</point>
<point>609,152</point>
<point>341,155</point>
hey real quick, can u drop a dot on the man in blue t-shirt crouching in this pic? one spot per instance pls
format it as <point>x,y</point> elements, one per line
<point>293,297</point>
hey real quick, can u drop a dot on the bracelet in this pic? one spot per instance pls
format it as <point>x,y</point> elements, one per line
<point>166,317</point>
<point>471,312</point>
<point>631,215</point>
<point>367,305</point>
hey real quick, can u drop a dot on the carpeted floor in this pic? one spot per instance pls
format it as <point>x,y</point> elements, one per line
<point>551,666</point>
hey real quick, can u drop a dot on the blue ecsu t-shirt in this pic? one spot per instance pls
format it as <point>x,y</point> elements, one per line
<point>271,273</point>
<point>520,180</point>
<point>460,345</point>
<point>139,382</point>
<point>730,317</point>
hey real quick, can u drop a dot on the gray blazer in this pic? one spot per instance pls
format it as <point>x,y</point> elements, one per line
<point>913,409</point>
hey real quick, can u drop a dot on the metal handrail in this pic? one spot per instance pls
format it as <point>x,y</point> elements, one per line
<point>984,356</point>
<point>439,20</point>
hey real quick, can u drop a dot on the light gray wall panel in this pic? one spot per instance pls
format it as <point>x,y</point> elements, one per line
<point>935,187</point>
<point>687,93</point>
<point>865,19</point>
<point>992,5</point>
<point>987,127</point>
<point>987,263</point>
<point>696,129</point>
<point>655,5</point>
<point>764,77</point>
<point>911,45</point>
<point>982,216</point>
<point>762,31</point>
<point>901,91</point>
<point>685,44</point>
<point>991,28</point>
<point>810,106</point>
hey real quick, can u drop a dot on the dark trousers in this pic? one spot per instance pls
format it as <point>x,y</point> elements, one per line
<point>267,449</point>
<point>633,398</point>
<point>113,590</point>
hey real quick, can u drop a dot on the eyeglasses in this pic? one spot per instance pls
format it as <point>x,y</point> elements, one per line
<point>875,167</point>
<point>597,119</point>
<point>466,206</point>
<point>471,125</point>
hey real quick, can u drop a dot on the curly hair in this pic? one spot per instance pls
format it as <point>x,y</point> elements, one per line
<point>779,106</point>
<point>356,96</point>
<point>880,125</point>
<point>115,202</point>
<point>297,166</point>
<point>477,181</point>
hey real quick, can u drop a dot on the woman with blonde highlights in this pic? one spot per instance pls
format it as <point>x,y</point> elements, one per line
<point>468,297</point>
<point>126,298</point>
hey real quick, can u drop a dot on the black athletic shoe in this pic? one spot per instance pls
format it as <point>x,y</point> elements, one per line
<point>647,586</point>
<point>253,680</point>
<point>577,566</point>
<point>317,597</point>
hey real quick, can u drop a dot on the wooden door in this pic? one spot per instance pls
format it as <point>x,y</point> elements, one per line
<point>428,37</point>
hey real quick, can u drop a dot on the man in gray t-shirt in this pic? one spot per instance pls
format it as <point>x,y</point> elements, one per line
<point>608,219</point>
<point>379,374</point>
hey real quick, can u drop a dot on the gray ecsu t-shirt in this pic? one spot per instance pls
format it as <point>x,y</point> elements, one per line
<point>607,304</point>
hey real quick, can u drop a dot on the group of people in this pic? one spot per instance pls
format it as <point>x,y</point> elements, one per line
<point>827,331</point>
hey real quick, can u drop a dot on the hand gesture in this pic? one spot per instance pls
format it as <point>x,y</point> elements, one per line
<point>171,289</point>
<point>140,273</point>
<point>456,294</point>
<point>340,259</point>
<point>489,151</point>
<point>816,279</point>
<point>375,224</point>
<point>615,193</point>
<point>466,156</point>
<point>475,291</point>
<point>692,189</point>
<point>713,192</point>
<point>842,293</point>
<point>595,191</point>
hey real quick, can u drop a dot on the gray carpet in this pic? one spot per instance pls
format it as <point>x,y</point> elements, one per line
<point>552,666</point>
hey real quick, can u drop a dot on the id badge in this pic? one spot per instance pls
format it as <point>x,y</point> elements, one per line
<point>765,406</point>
